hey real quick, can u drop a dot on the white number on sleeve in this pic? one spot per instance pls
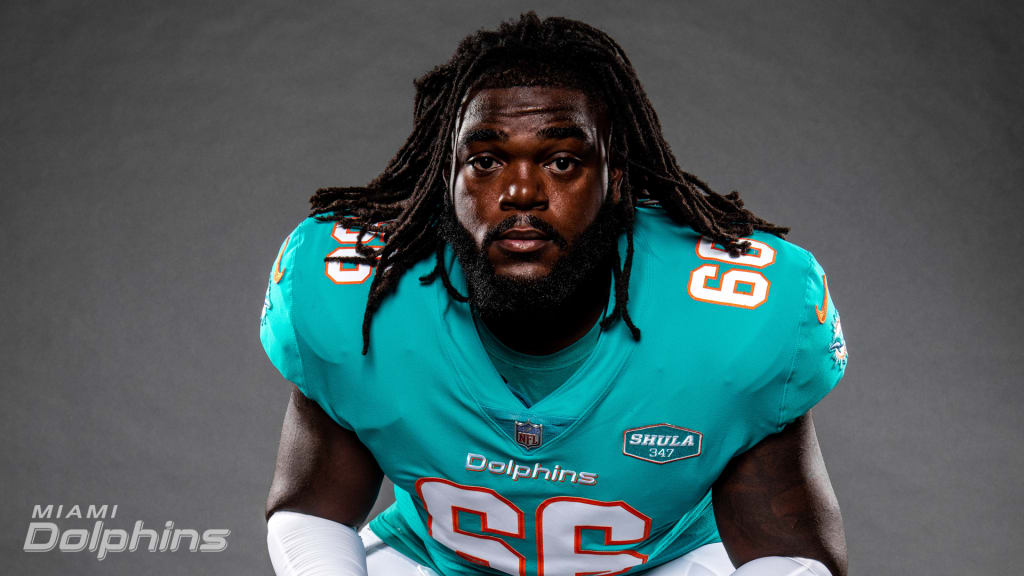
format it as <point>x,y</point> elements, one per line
<point>758,255</point>
<point>347,272</point>
<point>736,286</point>
<point>754,286</point>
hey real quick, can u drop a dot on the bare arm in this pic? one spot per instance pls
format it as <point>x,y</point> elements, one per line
<point>322,469</point>
<point>776,500</point>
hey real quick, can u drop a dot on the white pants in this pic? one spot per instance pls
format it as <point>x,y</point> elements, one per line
<point>383,560</point>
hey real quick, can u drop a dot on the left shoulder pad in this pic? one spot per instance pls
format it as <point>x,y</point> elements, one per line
<point>820,358</point>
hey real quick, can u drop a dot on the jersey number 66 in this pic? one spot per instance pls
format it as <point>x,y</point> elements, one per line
<point>560,522</point>
<point>736,287</point>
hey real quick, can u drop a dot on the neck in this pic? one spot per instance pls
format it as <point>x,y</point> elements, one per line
<point>541,332</point>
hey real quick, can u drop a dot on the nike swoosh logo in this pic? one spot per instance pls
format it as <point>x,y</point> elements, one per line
<point>822,311</point>
<point>278,273</point>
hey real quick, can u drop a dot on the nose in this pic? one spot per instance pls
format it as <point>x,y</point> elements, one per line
<point>523,189</point>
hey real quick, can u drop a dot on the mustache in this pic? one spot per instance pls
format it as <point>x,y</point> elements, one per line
<point>524,220</point>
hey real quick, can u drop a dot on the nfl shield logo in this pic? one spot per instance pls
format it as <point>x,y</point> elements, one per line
<point>529,435</point>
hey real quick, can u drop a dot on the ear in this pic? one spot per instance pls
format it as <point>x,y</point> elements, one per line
<point>614,184</point>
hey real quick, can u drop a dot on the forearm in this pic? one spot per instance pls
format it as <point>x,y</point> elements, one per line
<point>325,483</point>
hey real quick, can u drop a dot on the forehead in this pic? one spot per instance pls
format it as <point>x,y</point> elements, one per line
<point>532,104</point>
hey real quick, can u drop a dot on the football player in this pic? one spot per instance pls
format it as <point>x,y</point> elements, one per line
<point>569,355</point>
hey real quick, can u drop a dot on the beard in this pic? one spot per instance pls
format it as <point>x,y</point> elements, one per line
<point>580,266</point>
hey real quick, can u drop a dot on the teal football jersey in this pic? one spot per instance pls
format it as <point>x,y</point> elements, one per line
<point>609,473</point>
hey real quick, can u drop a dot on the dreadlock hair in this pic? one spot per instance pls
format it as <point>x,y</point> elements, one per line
<point>405,201</point>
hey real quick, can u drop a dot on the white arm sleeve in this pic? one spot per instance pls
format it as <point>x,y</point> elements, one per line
<point>783,566</point>
<point>304,545</point>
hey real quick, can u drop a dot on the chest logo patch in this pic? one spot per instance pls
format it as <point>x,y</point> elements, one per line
<point>661,443</point>
<point>529,435</point>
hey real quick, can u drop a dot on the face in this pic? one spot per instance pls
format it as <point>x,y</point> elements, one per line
<point>530,177</point>
<point>530,174</point>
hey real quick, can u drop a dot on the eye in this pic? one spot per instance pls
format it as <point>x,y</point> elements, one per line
<point>563,164</point>
<point>483,163</point>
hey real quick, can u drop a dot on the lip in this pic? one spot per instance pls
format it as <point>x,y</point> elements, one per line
<point>521,240</point>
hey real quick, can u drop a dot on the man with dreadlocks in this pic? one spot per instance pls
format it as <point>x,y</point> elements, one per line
<point>573,356</point>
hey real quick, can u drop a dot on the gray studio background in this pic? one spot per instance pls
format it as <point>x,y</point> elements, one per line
<point>154,155</point>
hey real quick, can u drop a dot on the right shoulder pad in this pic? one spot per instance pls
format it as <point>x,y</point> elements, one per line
<point>313,310</point>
